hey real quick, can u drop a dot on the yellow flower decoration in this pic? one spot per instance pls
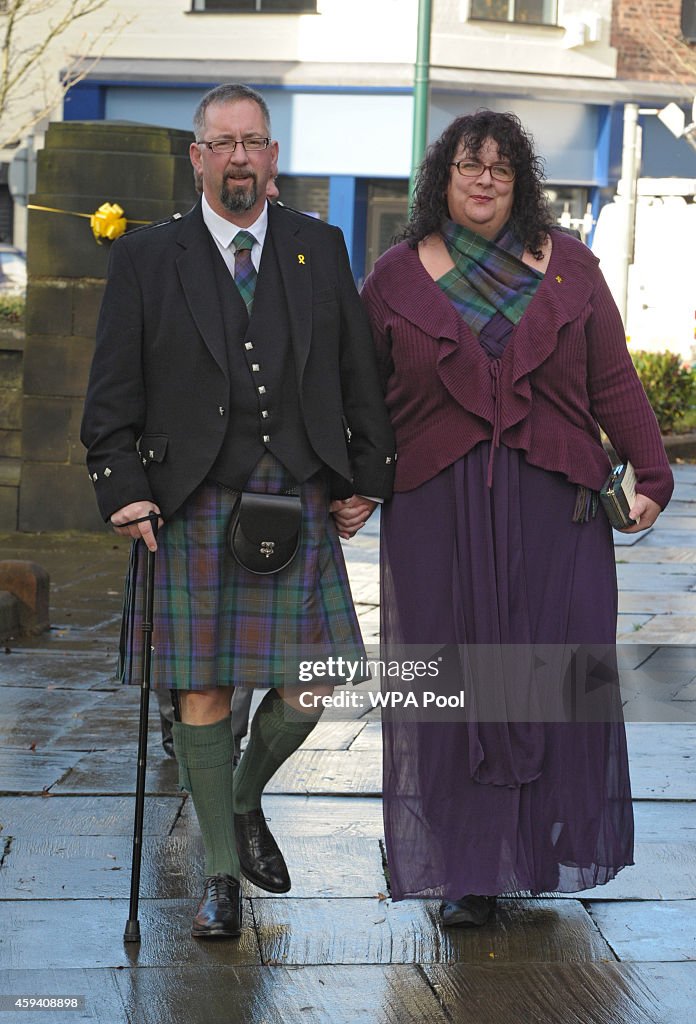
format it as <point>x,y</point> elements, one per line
<point>108,222</point>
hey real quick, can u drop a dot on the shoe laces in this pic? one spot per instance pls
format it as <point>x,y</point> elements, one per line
<point>218,887</point>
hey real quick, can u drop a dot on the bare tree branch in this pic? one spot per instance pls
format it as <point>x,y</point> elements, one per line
<point>31,31</point>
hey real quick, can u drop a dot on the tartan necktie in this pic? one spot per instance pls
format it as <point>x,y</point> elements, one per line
<point>244,269</point>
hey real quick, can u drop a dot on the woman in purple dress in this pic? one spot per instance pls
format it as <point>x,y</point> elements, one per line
<point>501,352</point>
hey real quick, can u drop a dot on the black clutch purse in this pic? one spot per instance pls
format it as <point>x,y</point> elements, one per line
<point>264,531</point>
<point>618,494</point>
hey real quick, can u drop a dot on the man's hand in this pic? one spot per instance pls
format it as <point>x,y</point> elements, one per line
<point>129,513</point>
<point>351,514</point>
<point>645,511</point>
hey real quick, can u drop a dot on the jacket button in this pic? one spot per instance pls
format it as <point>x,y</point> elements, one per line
<point>248,346</point>
<point>264,414</point>
<point>266,438</point>
<point>221,410</point>
<point>255,367</point>
<point>262,390</point>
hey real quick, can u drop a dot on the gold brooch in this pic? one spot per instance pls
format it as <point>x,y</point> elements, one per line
<point>559,278</point>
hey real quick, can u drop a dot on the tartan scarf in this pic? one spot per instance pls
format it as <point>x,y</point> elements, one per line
<point>487,277</point>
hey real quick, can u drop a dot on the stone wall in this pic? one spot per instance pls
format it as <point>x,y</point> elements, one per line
<point>146,170</point>
<point>11,376</point>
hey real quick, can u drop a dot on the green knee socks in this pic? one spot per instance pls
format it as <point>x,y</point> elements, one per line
<point>276,732</point>
<point>205,755</point>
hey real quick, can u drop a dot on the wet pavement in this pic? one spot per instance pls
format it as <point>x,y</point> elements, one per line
<point>335,948</point>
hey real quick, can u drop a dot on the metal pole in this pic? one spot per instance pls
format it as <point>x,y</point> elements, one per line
<point>421,81</point>
<point>630,164</point>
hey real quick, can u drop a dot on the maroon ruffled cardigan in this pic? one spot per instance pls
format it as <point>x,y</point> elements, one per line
<point>566,370</point>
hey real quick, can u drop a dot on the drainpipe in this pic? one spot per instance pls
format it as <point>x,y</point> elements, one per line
<point>421,83</point>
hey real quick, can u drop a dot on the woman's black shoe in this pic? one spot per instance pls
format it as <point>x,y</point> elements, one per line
<point>219,914</point>
<point>259,856</point>
<point>468,912</point>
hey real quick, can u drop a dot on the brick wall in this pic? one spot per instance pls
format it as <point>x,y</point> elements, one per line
<point>647,35</point>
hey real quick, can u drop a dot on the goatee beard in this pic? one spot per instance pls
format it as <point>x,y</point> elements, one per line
<point>237,199</point>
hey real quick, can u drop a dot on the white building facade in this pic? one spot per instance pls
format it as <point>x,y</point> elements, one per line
<point>338,79</point>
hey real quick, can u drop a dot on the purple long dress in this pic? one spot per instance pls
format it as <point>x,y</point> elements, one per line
<point>492,808</point>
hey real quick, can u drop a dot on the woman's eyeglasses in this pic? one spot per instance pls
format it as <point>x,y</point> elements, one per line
<point>474,169</point>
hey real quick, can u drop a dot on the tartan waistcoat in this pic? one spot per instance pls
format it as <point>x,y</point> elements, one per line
<point>264,407</point>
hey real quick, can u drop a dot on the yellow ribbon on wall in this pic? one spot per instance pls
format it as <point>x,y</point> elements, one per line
<point>108,222</point>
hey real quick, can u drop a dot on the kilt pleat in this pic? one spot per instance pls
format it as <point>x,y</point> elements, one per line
<point>215,623</point>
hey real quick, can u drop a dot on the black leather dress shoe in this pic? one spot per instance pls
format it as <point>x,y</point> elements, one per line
<point>260,859</point>
<point>468,912</point>
<point>219,914</point>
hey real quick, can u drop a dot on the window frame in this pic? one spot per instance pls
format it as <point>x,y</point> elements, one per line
<point>513,6</point>
<point>258,7</point>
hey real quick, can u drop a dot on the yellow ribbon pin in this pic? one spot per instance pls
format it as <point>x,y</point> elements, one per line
<point>300,258</point>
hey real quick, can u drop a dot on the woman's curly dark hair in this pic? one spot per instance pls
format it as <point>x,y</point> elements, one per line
<point>531,216</point>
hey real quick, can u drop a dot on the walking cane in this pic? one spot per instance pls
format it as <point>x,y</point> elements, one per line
<point>132,932</point>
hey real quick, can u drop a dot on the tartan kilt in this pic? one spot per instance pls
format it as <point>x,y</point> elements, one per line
<point>215,623</point>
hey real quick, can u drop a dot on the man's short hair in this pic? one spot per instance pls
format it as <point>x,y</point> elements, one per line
<point>230,92</point>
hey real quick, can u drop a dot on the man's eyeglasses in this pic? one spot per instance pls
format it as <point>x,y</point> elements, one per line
<point>252,145</point>
<point>474,169</point>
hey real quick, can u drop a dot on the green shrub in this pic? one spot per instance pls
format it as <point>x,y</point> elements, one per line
<point>12,309</point>
<point>669,385</point>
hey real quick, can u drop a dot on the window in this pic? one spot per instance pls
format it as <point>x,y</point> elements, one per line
<point>257,6</point>
<point>525,12</point>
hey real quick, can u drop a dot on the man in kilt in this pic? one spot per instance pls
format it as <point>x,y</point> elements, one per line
<point>233,355</point>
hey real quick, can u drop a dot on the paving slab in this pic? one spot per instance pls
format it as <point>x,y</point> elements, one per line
<point>86,816</point>
<point>61,670</point>
<point>359,931</point>
<point>89,867</point>
<point>370,739</point>
<point>606,993</point>
<point>104,772</point>
<point>329,772</point>
<point>32,771</point>
<point>290,815</point>
<point>662,579</point>
<point>656,555</point>
<point>662,758</point>
<point>64,934</point>
<point>37,717</point>
<point>336,735</point>
<point>664,931</point>
<point>665,820</point>
<point>103,1003</point>
<point>663,870</point>
<point>278,994</point>
<point>94,867</point>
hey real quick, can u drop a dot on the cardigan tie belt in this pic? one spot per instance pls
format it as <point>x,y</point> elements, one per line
<point>495,393</point>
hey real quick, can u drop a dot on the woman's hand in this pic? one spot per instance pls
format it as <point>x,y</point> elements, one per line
<point>645,511</point>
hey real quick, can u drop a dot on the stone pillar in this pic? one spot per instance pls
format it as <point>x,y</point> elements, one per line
<point>146,170</point>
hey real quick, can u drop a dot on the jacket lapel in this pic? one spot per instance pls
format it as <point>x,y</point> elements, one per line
<point>295,264</point>
<point>197,276</point>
